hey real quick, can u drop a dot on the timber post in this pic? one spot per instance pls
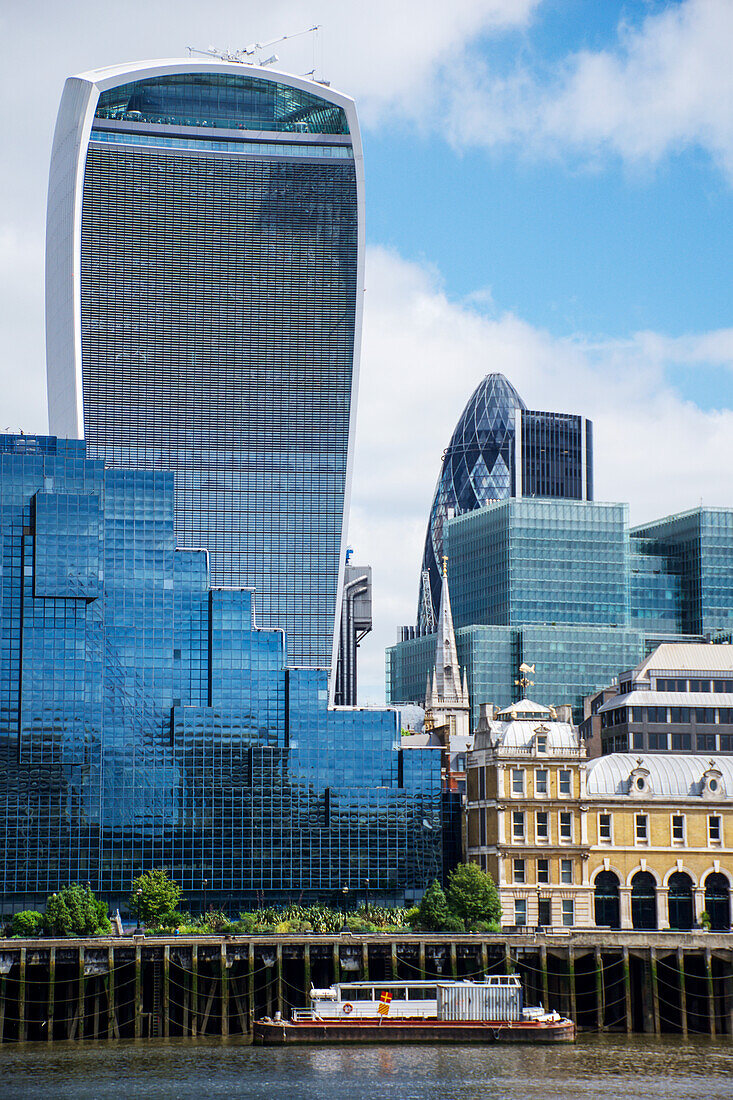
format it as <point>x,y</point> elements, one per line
<point>21,997</point>
<point>224,992</point>
<point>51,994</point>
<point>627,991</point>
<point>683,990</point>
<point>711,992</point>
<point>138,991</point>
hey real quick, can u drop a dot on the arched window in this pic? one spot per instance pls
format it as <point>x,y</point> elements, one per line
<point>681,910</point>
<point>717,902</point>
<point>644,901</point>
<point>606,900</point>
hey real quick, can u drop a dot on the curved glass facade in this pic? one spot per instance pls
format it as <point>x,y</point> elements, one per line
<point>478,467</point>
<point>218,316</point>
<point>223,100</point>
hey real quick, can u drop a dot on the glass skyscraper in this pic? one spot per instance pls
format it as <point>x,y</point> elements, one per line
<point>204,297</point>
<point>501,449</point>
<point>146,722</point>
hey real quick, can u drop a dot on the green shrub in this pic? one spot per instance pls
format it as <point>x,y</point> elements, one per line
<point>75,911</point>
<point>485,926</point>
<point>154,893</point>
<point>472,895</point>
<point>433,910</point>
<point>26,923</point>
<point>453,924</point>
<point>173,919</point>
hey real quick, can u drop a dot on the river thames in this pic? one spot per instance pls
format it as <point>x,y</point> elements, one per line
<point>609,1067</point>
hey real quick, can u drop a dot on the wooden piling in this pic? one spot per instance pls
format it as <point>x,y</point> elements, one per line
<point>279,978</point>
<point>113,1031</point>
<point>194,990</point>
<point>22,1029</point>
<point>655,990</point>
<point>364,961</point>
<point>51,995</point>
<point>421,960</point>
<point>138,991</point>
<point>545,996</point>
<point>251,983</point>
<point>598,958</point>
<point>627,990</point>
<point>393,956</point>
<point>81,996</point>
<point>484,957</point>
<point>453,961</point>
<point>711,992</point>
<point>336,960</point>
<point>683,990</point>
<point>571,983</point>
<point>166,991</point>
<point>307,982</point>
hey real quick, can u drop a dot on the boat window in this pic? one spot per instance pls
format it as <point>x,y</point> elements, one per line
<point>398,994</point>
<point>417,993</point>
<point>355,993</point>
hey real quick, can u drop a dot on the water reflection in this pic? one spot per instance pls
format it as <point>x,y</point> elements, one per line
<point>597,1067</point>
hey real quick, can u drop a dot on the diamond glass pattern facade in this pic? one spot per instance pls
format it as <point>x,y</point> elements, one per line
<point>145,722</point>
<point>501,449</point>
<point>203,303</point>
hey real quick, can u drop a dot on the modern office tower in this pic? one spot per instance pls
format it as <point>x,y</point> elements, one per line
<point>679,699</point>
<point>204,287</point>
<point>146,722</point>
<point>502,449</point>
<point>685,573</point>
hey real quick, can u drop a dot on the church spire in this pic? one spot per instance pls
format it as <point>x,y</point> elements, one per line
<point>447,669</point>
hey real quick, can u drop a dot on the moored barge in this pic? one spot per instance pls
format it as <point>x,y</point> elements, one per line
<point>488,1011</point>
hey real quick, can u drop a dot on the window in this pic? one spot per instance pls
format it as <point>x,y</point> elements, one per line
<point>679,714</point>
<point>604,828</point>
<point>714,829</point>
<point>517,781</point>
<point>540,781</point>
<point>566,828</point>
<point>543,828</point>
<point>656,714</point>
<point>519,871</point>
<point>699,685</point>
<point>678,829</point>
<point>543,870</point>
<point>518,825</point>
<point>566,870</point>
<point>638,740</point>
<point>482,827</point>
<point>520,911</point>
<point>568,912</point>
<point>482,783</point>
<point>705,742</point>
<point>565,782</point>
<point>541,743</point>
<point>681,742</point>
<point>657,741</point>
<point>726,742</point>
<point>725,686</point>
<point>704,715</point>
<point>642,829</point>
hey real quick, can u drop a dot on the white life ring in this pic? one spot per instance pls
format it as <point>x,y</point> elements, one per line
<point>348,1008</point>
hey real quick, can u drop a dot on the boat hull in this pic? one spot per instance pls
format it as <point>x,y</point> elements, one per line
<point>286,1033</point>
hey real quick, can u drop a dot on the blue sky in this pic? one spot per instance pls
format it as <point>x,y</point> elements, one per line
<point>549,194</point>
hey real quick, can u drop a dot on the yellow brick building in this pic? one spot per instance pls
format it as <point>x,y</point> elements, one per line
<point>623,841</point>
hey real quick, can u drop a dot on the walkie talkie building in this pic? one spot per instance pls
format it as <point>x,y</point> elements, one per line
<point>204,289</point>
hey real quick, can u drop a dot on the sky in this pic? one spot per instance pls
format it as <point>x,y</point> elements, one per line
<point>549,194</point>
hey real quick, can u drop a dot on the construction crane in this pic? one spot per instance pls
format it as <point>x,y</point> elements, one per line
<point>251,55</point>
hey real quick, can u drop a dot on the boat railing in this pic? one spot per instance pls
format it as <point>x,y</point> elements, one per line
<point>304,1014</point>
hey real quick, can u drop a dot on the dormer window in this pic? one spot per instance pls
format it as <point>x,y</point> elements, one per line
<point>639,780</point>
<point>541,743</point>
<point>712,784</point>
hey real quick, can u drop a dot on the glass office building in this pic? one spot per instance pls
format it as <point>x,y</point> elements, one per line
<point>501,449</point>
<point>567,586</point>
<point>204,285</point>
<point>146,722</point>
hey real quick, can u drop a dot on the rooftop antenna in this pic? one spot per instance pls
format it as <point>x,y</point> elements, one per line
<point>252,54</point>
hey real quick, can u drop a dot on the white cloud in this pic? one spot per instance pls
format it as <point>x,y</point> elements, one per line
<point>424,354</point>
<point>666,85</point>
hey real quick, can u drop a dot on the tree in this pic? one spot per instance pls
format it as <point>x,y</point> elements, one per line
<point>153,894</point>
<point>472,895</point>
<point>75,911</point>
<point>26,923</point>
<point>433,912</point>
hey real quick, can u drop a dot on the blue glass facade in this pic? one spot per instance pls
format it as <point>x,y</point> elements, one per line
<point>145,721</point>
<point>566,586</point>
<point>501,449</point>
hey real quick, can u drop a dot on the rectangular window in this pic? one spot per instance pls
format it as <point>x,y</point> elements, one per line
<point>541,743</point>
<point>724,686</point>
<point>704,715</point>
<point>637,714</point>
<point>699,685</point>
<point>540,781</point>
<point>565,781</point>
<point>726,742</point>
<point>658,741</point>
<point>681,742</point>
<point>705,742</point>
<point>482,814</point>
<point>519,871</point>
<point>604,828</point>
<point>679,714</point>
<point>642,829</point>
<point>520,912</point>
<point>543,828</point>
<point>638,740</point>
<point>568,912</point>
<point>656,714</point>
<point>566,828</point>
<point>566,871</point>
<point>517,781</point>
<point>482,783</point>
<point>518,826</point>
<point>678,829</point>
<point>543,870</point>
<point>715,832</point>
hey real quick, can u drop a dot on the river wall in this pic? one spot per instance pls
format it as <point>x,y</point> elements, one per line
<point>108,988</point>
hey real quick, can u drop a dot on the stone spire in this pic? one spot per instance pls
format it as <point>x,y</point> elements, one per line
<point>447,670</point>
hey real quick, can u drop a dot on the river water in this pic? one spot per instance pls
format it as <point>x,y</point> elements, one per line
<point>596,1068</point>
